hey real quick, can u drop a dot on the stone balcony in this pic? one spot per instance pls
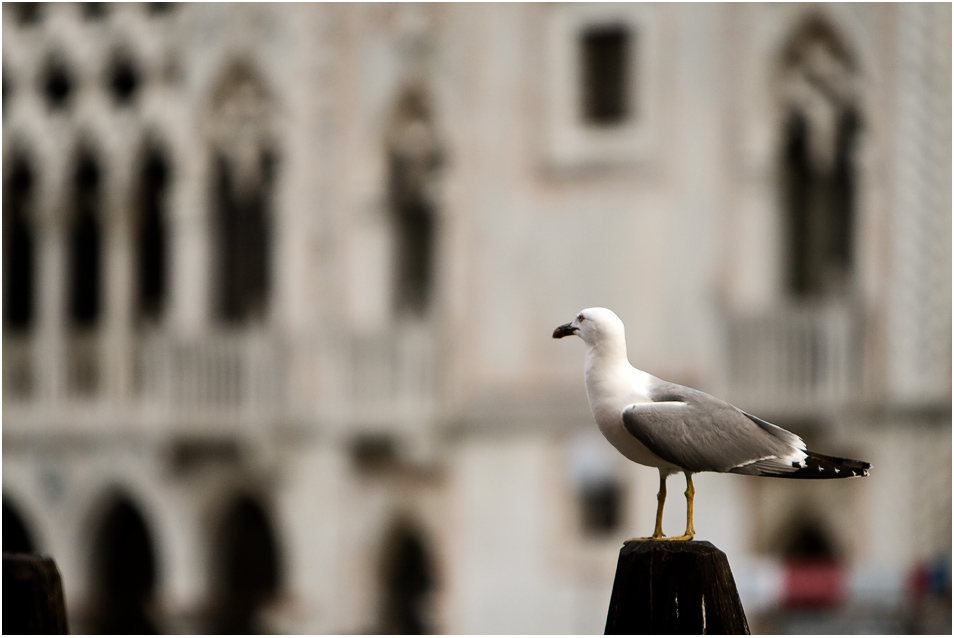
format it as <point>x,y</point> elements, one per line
<point>220,383</point>
<point>798,361</point>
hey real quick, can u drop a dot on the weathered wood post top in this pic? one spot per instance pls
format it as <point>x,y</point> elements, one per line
<point>33,601</point>
<point>674,587</point>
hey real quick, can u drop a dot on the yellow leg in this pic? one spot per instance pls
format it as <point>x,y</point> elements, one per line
<point>690,493</point>
<point>660,502</point>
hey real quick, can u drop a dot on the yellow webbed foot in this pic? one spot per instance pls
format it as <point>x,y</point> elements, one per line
<point>655,537</point>
<point>684,537</point>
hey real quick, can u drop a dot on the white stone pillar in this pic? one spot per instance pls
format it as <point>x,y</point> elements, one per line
<point>919,314</point>
<point>190,249</point>
<point>49,342</point>
<point>116,344</point>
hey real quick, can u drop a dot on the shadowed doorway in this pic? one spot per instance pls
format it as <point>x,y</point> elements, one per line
<point>246,570</point>
<point>407,580</point>
<point>124,573</point>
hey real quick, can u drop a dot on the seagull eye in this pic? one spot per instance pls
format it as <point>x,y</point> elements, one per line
<point>580,318</point>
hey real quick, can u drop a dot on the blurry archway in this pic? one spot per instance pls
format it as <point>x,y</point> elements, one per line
<point>407,579</point>
<point>124,573</point>
<point>16,536</point>
<point>246,568</point>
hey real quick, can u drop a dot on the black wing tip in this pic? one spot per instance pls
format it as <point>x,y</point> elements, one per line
<point>822,466</point>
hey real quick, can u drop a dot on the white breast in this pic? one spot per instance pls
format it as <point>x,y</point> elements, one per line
<point>609,390</point>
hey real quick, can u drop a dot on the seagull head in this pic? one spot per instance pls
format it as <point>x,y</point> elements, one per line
<point>593,326</point>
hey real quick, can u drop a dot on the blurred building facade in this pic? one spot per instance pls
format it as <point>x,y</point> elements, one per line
<point>279,283</point>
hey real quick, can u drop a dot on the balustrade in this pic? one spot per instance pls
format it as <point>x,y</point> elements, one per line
<point>231,380</point>
<point>796,361</point>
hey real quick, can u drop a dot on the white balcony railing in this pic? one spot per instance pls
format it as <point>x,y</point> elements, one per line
<point>795,361</point>
<point>388,378</point>
<point>221,382</point>
<point>220,379</point>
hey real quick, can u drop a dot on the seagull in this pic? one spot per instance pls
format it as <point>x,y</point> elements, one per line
<point>678,429</point>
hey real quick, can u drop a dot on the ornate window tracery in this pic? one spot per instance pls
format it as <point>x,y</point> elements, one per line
<point>818,174</point>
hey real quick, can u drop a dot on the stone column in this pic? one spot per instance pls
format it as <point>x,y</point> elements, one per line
<point>49,342</point>
<point>116,343</point>
<point>190,250</point>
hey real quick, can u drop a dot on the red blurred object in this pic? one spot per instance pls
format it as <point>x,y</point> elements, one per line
<point>919,581</point>
<point>814,584</point>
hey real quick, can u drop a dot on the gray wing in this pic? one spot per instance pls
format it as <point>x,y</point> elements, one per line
<point>701,433</point>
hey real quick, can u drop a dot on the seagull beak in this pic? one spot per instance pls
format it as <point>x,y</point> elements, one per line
<point>565,330</point>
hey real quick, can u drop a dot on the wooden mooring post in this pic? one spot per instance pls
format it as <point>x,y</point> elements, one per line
<point>674,587</point>
<point>33,601</point>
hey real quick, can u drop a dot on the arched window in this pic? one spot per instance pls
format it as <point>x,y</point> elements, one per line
<point>243,170</point>
<point>124,81</point>
<point>57,84</point>
<point>84,265</point>
<point>246,571</point>
<point>124,573</point>
<point>407,579</point>
<point>413,160</point>
<point>819,139</point>
<point>151,236</point>
<point>18,247</point>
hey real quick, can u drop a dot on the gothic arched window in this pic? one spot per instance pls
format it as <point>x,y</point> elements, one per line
<point>413,158</point>
<point>820,133</point>
<point>243,170</point>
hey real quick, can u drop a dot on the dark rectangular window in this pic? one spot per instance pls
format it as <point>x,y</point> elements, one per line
<point>18,248</point>
<point>84,257</point>
<point>601,507</point>
<point>605,53</point>
<point>151,254</point>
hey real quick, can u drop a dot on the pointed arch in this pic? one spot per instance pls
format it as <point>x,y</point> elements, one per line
<point>124,571</point>
<point>413,159</point>
<point>816,29</point>
<point>246,567</point>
